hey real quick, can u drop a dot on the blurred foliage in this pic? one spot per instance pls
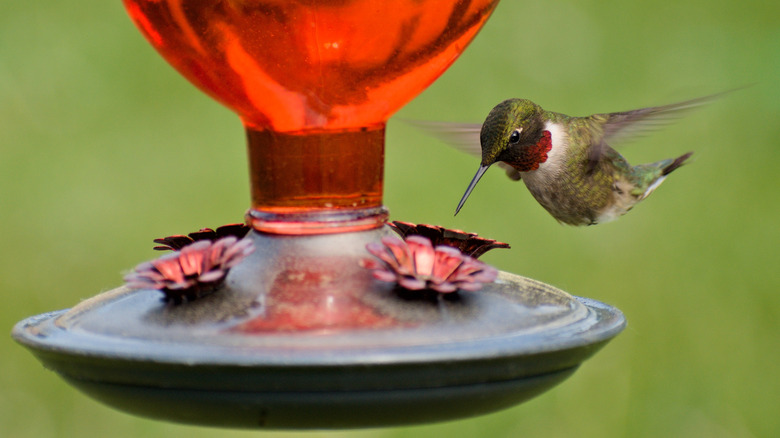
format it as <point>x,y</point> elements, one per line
<point>104,147</point>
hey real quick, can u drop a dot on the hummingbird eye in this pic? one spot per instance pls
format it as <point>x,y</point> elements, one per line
<point>514,138</point>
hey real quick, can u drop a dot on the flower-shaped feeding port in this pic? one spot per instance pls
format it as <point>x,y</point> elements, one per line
<point>469,244</point>
<point>179,241</point>
<point>196,270</point>
<point>415,264</point>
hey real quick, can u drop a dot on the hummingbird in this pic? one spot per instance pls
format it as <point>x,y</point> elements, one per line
<point>566,162</point>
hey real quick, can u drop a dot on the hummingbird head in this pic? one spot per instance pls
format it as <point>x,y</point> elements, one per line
<point>514,133</point>
<point>510,134</point>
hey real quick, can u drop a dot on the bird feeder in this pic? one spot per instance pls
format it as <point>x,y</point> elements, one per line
<point>318,314</point>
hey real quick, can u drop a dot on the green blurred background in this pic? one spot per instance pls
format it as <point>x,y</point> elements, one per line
<point>104,147</point>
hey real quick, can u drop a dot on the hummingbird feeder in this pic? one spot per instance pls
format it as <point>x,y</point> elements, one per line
<point>316,314</point>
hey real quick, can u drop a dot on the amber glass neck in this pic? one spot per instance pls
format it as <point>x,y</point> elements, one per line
<point>316,182</point>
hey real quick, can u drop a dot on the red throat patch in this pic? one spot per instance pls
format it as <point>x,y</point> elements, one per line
<point>537,154</point>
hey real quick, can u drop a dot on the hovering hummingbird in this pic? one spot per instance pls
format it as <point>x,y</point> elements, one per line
<point>566,162</point>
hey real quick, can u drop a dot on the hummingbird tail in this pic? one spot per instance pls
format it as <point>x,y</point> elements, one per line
<point>679,161</point>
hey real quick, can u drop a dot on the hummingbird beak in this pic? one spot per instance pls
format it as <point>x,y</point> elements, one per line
<point>474,181</point>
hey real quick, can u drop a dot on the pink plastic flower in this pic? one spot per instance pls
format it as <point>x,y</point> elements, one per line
<point>194,271</point>
<point>468,243</point>
<point>415,264</point>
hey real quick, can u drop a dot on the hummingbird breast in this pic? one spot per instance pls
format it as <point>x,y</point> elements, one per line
<point>572,194</point>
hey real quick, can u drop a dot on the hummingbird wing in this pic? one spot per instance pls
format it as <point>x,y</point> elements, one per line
<point>622,126</point>
<point>462,136</point>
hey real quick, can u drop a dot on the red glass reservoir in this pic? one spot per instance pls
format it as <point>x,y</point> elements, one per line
<point>314,82</point>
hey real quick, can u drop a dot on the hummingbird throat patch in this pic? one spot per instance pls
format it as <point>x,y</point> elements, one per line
<point>537,154</point>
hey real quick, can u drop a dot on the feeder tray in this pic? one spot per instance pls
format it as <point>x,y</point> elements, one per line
<point>245,357</point>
